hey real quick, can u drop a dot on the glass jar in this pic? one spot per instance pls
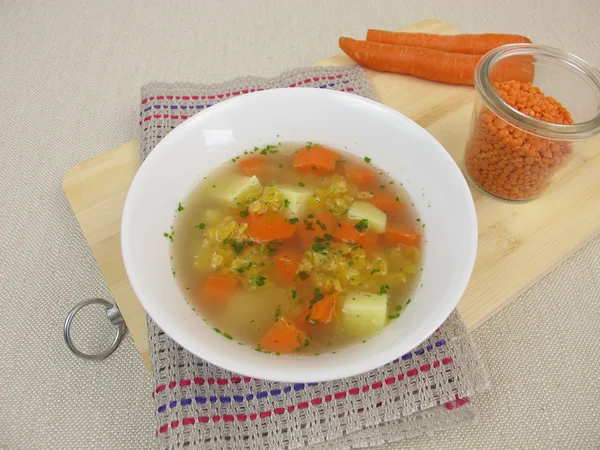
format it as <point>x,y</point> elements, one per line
<point>534,104</point>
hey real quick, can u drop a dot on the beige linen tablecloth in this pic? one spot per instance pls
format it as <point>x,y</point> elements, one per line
<point>70,74</point>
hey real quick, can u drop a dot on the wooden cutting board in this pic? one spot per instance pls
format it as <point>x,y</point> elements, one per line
<point>518,243</point>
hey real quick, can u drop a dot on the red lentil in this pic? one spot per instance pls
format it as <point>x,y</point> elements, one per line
<point>511,163</point>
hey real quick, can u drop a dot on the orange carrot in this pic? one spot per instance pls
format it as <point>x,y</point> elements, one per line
<point>369,241</point>
<point>321,311</point>
<point>347,232</point>
<point>316,228</point>
<point>286,266</point>
<point>218,288</point>
<point>470,44</point>
<point>358,174</point>
<point>254,165</point>
<point>389,203</point>
<point>284,336</point>
<point>402,235</point>
<point>269,226</point>
<point>435,65</point>
<point>316,159</point>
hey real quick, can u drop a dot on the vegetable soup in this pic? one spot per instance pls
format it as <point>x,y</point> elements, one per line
<point>297,249</point>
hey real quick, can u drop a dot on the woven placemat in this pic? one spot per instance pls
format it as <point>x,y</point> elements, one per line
<point>198,404</point>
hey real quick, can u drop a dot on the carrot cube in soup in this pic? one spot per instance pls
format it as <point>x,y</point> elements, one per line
<point>388,203</point>
<point>398,234</point>
<point>254,165</point>
<point>269,226</point>
<point>369,241</point>
<point>286,266</point>
<point>358,174</point>
<point>218,289</point>
<point>322,312</point>
<point>317,159</point>
<point>317,227</point>
<point>347,232</point>
<point>283,337</point>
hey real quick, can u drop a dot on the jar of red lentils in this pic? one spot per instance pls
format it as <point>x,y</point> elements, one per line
<point>534,105</point>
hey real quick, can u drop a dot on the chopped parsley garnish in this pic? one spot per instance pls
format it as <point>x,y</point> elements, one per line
<point>286,203</point>
<point>398,308</point>
<point>418,220</point>
<point>293,220</point>
<point>228,336</point>
<point>382,186</point>
<point>322,225</point>
<point>277,313</point>
<point>395,316</point>
<point>302,275</point>
<point>271,250</point>
<point>301,184</point>
<point>200,226</point>
<point>367,159</point>
<point>281,166</point>
<point>259,348</point>
<point>237,245</point>
<point>362,225</point>
<point>397,198</point>
<point>294,294</point>
<point>244,213</point>
<point>375,271</point>
<point>309,226</point>
<point>310,216</point>
<point>317,296</point>
<point>309,145</point>
<point>314,167</point>
<point>408,301</point>
<point>170,236</point>
<point>327,237</point>
<point>258,281</point>
<point>391,182</point>
<point>180,207</point>
<point>319,248</point>
<point>383,289</point>
<point>263,151</point>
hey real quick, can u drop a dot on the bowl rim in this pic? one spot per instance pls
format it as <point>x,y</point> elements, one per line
<point>378,359</point>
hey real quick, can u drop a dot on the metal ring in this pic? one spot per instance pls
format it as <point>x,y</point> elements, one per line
<point>113,314</point>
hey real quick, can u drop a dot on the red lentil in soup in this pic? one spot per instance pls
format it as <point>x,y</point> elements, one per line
<point>297,249</point>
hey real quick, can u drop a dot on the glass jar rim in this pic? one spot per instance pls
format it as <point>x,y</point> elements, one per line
<point>493,101</point>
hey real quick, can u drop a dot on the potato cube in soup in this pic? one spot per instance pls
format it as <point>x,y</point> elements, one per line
<point>237,188</point>
<point>296,201</point>
<point>364,312</point>
<point>376,218</point>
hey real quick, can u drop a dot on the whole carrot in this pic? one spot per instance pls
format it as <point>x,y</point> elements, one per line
<point>435,65</point>
<point>470,44</point>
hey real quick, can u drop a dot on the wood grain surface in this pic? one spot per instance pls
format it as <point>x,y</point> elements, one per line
<point>518,242</point>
